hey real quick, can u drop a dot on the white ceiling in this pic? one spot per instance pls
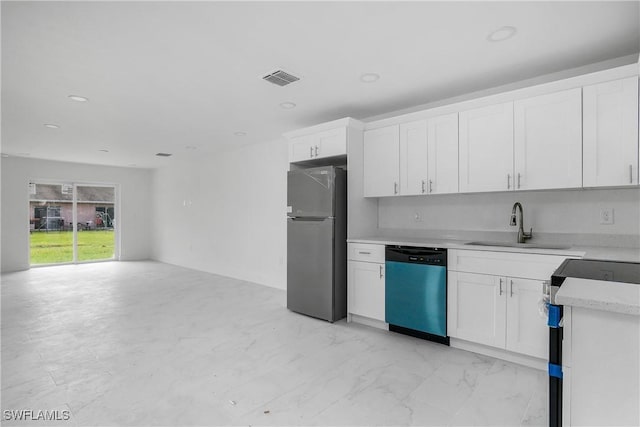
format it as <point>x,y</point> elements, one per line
<point>169,76</point>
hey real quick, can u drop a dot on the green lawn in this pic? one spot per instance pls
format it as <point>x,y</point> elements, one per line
<point>57,246</point>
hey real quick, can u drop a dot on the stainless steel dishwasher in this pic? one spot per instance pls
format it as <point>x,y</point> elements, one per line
<point>416,292</point>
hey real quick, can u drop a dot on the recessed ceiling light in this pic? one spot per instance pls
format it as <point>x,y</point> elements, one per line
<point>287,105</point>
<point>240,133</point>
<point>502,34</point>
<point>78,98</point>
<point>51,126</point>
<point>369,77</point>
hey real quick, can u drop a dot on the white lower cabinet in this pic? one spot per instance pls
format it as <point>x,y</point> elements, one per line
<point>488,304</point>
<point>366,289</point>
<point>600,368</point>
<point>527,330</point>
<point>365,282</point>
<point>476,308</point>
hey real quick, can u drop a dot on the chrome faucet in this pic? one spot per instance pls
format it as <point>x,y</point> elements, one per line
<point>522,235</point>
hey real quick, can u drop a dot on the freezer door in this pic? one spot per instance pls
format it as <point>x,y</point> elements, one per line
<point>310,287</point>
<point>310,192</point>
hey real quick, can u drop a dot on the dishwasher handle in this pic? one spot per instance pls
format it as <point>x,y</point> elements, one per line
<point>416,255</point>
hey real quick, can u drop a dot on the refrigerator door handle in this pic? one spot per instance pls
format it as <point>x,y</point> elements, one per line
<point>309,218</point>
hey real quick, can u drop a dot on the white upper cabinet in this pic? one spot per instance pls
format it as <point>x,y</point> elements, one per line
<point>301,148</point>
<point>413,158</point>
<point>486,148</point>
<point>331,143</point>
<point>318,145</point>
<point>611,133</point>
<point>548,141</point>
<point>382,162</point>
<point>442,148</point>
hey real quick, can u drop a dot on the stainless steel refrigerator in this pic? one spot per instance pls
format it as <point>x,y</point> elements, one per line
<point>317,242</point>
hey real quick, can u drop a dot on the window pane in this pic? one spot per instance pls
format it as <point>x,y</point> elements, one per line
<point>96,222</point>
<point>51,235</point>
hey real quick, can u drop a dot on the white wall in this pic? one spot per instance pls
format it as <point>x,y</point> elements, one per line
<point>562,211</point>
<point>225,213</point>
<point>133,187</point>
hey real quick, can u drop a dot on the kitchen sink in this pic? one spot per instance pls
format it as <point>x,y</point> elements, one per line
<point>519,245</point>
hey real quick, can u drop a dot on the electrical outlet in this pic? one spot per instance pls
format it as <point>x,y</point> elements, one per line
<point>606,216</point>
<point>417,217</point>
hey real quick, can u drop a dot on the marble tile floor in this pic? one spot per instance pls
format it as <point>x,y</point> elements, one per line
<point>146,343</point>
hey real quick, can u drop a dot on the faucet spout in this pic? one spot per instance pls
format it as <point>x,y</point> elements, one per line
<point>522,235</point>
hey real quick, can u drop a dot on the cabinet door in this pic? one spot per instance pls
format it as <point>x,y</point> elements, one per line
<point>443,154</point>
<point>413,157</point>
<point>365,294</point>
<point>331,143</point>
<point>476,308</point>
<point>548,141</point>
<point>381,162</point>
<point>610,127</point>
<point>301,148</point>
<point>527,330</point>
<point>486,148</point>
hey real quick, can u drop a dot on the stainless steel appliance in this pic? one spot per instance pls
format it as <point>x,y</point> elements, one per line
<point>416,292</point>
<point>317,242</point>
<point>607,271</point>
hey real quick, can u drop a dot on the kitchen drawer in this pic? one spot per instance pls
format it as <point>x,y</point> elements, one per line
<point>366,252</point>
<point>533,266</point>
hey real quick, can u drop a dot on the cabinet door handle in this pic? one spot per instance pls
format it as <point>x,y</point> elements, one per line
<point>508,181</point>
<point>395,188</point>
<point>364,253</point>
<point>511,288</point>
<point>381,275</point>
<point>423,183</point>
<point>518,179</point>
<point>500,287</point>
<point>630,174</point>
<point>316,151</point>
<point>310,151</point>
<point>430,186</point>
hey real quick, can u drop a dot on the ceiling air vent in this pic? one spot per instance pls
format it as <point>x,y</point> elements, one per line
<point>163,154</point>
<point>280,78</point>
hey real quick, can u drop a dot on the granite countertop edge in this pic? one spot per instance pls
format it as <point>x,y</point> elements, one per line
<point>590,252</point>
<point>613,297</point>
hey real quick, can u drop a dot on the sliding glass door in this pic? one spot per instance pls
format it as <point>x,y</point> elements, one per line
<point>71,223</point>
<point>95,207</point>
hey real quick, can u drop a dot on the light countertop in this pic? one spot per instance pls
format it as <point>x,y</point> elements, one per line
<point>591,252</point>
<point>600,295</point>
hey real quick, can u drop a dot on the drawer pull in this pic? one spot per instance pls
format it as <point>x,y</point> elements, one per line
<point>511,288</point>
<point>364,253</point>
<point>500,287</point>
<point>381,275</point>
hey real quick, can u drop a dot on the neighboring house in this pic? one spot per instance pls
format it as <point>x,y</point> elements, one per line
<point>51,207</point>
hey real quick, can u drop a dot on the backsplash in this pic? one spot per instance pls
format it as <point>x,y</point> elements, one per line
<point>554,215</point>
